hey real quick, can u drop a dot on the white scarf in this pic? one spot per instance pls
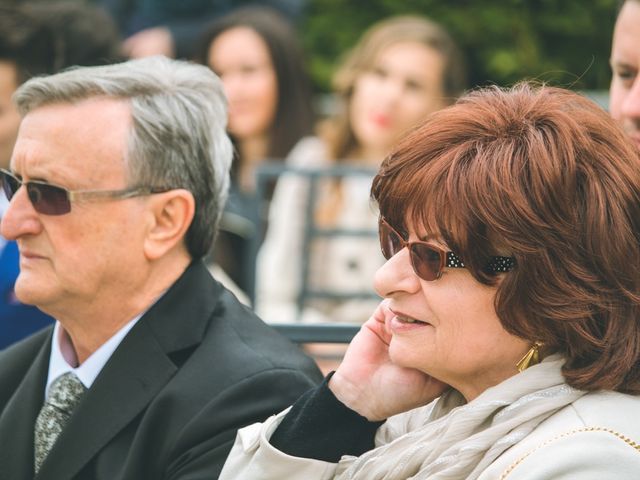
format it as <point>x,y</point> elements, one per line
<point>459,441</point>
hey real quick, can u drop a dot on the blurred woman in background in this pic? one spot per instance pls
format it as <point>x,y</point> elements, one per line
<point>401,70</point>
<point>255,51</point>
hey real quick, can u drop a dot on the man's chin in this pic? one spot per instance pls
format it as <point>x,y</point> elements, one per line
<point>29,292</point>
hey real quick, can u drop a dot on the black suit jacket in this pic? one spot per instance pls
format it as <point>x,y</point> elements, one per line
<point>196,367</point>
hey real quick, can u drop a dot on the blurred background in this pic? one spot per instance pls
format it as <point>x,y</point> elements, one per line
<point>564,42</point>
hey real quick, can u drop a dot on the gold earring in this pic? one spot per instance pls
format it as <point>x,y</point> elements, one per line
<point>532,357</point>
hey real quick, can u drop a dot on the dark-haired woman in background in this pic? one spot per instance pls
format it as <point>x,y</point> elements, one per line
<point>256,53</point>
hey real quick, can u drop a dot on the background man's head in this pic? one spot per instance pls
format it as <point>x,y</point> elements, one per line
<point>625,63</point>
<point>44,38</point>
<point>26,49</point>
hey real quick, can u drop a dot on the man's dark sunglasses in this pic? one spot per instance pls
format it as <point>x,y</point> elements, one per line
<point>50,199</point>
<point>428,260</point>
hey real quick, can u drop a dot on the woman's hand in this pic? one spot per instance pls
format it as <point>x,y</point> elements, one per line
<point>368,382</point>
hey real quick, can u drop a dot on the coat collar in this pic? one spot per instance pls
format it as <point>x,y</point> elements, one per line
<point>19,415</point>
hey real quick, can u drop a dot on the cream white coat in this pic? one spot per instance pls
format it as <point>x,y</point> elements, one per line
<point>596,437</point>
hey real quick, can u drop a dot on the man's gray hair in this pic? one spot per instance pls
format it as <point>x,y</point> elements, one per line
<point>178,139</point>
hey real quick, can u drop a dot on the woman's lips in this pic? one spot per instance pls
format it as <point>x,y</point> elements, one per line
<point>402,322</point>
<point>405,319</point>
<point>383,121</point>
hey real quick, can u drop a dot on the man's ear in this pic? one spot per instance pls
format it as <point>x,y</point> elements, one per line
<point>171,214</point>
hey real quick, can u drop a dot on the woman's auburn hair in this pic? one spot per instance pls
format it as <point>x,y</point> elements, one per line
<point>544,175</point>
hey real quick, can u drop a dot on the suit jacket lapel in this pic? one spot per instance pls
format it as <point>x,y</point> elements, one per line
<point>18,419</point>
<point>139,368</point>
<point>131,378</point>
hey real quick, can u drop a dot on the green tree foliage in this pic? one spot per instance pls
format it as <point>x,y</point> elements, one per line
<point>563,42</point>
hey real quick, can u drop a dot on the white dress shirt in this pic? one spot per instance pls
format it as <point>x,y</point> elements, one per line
<point>63,355</point>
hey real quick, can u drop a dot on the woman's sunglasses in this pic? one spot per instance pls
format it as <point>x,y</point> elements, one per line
<point>428,260</point>
<point>53,200</point>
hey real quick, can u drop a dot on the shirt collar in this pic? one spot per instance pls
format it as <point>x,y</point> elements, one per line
<point>62,349</point>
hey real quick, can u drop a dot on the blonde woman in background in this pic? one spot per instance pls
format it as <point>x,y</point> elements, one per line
<point>401,70</point>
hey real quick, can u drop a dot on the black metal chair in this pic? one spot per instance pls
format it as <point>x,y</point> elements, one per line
<point>266,174</point>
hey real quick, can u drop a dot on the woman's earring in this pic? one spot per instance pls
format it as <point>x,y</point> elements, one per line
<point>532,357</point>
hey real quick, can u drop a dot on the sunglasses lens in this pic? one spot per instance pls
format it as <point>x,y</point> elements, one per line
<point>10,185</point>
<point>390,242</point>
<point>426,261</point>
<point>48,199</point>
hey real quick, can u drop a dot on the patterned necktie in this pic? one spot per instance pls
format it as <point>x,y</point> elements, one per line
<point>64,395</point>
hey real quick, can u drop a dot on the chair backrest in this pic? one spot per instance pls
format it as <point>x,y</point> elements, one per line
<point>317,333</point>
<point>266,174</point>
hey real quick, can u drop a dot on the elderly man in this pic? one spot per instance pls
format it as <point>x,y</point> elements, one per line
<point>117,180</point>
<point>625,63</point>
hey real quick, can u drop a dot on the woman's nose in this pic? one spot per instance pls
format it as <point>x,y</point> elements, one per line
<point>396,275</point>
<point>631,104</point>
<point>390,91</point>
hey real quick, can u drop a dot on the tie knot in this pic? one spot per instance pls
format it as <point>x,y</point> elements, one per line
<point>65,392</point>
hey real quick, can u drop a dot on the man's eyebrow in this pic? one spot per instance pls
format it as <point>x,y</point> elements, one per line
<point>38,177</point>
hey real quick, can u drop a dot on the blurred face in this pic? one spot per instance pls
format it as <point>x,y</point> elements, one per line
<point>625,63</point>
<point>241,58</point>
<point>404,85</point>
<point>9,116</point>
<point>70,261</point>
<point>447,328</point>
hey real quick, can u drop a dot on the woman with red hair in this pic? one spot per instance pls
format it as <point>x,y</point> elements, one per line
<point>508,341</point>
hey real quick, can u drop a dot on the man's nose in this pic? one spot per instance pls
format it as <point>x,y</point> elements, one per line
<point>20,218</point>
